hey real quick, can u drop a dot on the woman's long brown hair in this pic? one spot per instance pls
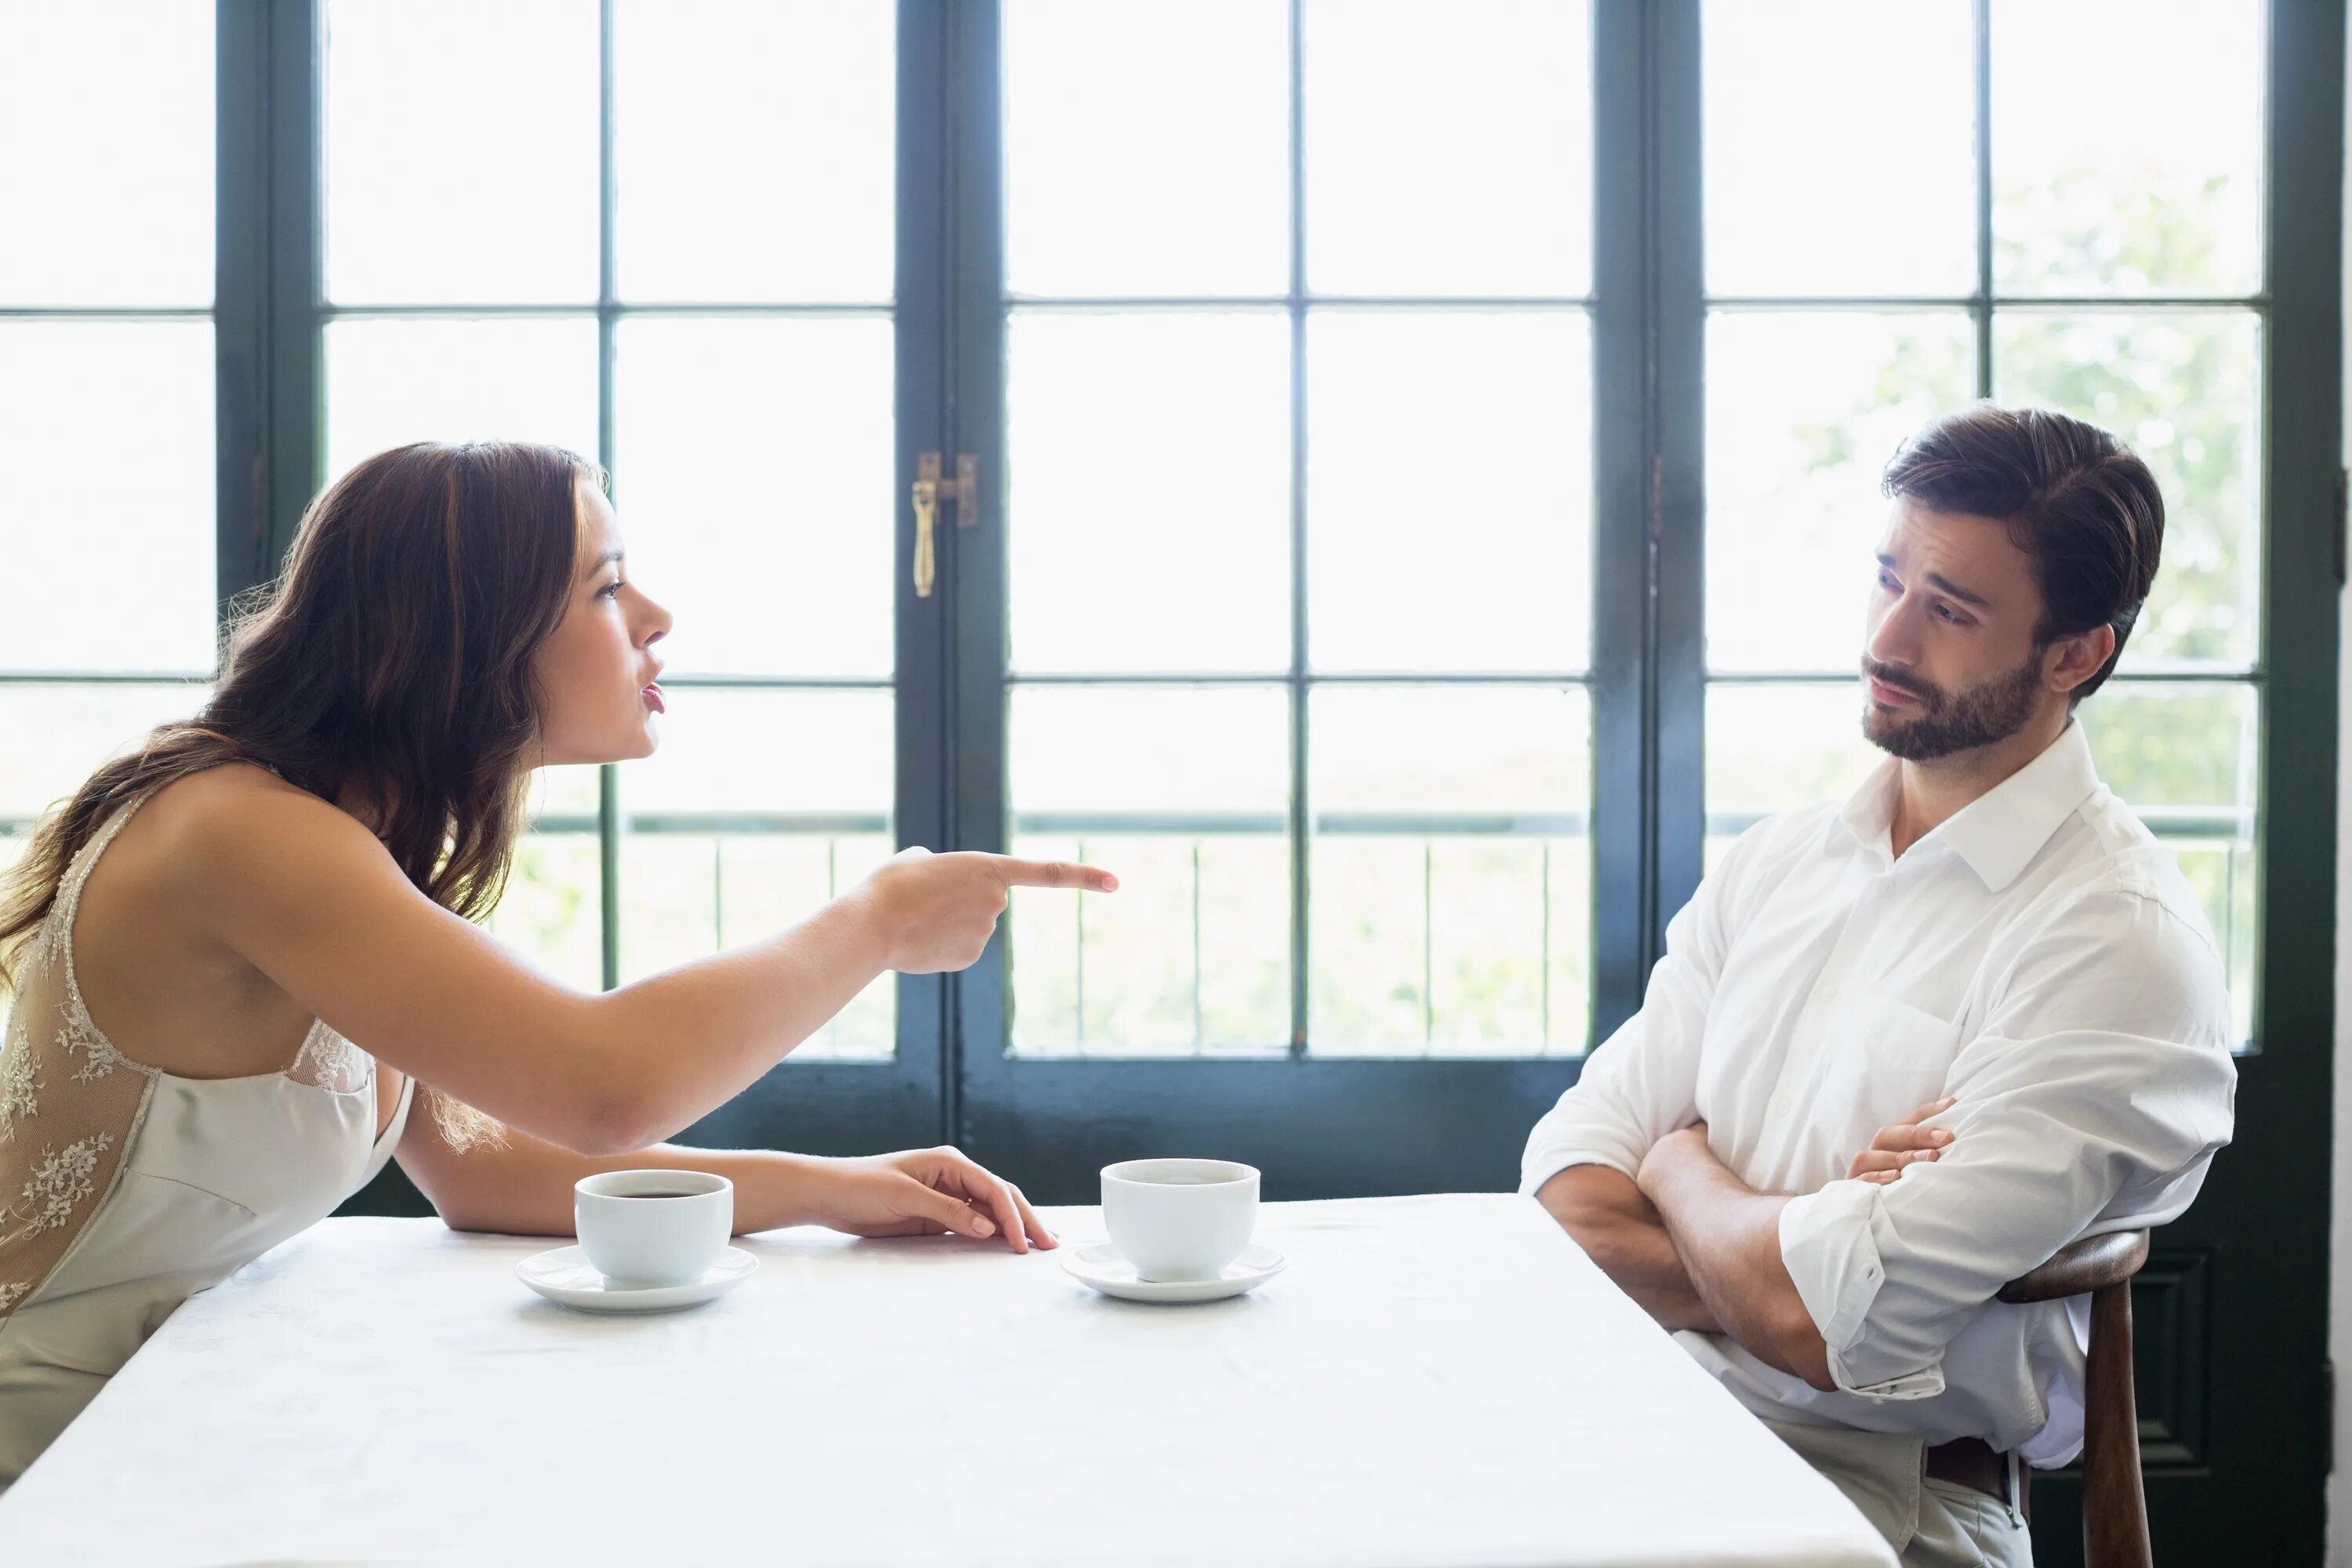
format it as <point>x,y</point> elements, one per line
<point>393,655</point>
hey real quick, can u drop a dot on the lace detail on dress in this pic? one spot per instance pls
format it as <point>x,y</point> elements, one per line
<point>60,1182</point>
<point>62,1079</point>
<point>19,1087</point>
<point>78,1034</point>
<point>45,940</point>
<point>72,1105</point>
<point>331,1062</point>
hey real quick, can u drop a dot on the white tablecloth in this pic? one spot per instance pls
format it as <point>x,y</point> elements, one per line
<point>1434,1381</point>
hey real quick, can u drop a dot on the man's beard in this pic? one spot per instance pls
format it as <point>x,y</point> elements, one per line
<point>1981,716</point>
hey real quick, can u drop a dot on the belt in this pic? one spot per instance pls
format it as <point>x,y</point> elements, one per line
<point>1973,1463</point>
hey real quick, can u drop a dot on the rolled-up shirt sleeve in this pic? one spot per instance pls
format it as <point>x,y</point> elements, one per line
<point>2092,1100</point>
<point>1641,1082</point>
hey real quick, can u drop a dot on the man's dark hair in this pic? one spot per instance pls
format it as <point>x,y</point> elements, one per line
<point>2080,503</point>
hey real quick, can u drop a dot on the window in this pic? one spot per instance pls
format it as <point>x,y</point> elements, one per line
<point>1277,382</point>
<point>1426,464</point>
<point>2093,246</point>
<point>107,515</point>
<point>668,249</point>
<point>1424,475</point>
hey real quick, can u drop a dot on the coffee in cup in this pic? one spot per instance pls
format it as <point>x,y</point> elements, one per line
<point>1180,1219</point>
<point>653,1228</point>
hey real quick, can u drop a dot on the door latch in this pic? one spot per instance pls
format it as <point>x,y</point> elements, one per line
<point>930,488</point>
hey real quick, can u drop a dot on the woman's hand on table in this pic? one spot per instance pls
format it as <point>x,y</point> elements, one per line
<point>924,1192</point>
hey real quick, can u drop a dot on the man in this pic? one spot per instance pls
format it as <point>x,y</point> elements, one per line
<point>1901,1051</point>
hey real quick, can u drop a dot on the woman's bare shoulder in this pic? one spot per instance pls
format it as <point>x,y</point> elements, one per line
<point>214,821</point>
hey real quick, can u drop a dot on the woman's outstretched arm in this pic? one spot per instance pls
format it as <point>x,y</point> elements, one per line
<point>304,893</point>
<point>522,1185</point>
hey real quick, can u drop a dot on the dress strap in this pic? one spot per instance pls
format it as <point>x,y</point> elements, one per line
<point>70,885</point>
<point>80,1034</point>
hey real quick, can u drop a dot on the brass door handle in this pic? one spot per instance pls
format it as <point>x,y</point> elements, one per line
<point>929,486</point>
<point>927,515</point>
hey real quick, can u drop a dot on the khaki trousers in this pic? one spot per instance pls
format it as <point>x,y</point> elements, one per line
<point>1930,1523</point>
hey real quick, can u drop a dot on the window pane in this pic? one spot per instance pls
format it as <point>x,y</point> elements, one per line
<point>1451,864</point>
<point>461,151</point>
<point>78,727</point>
<point>106,152</point>
<point>2185,757</point>
<point>107,495</point>
<point>2126,147</point>
<point>2183,388</point>
<point>1192,953</point>
<point>1771,749</point>
<point>1803,409</point>
<point>1147,149</point>
<point>759,807</point>
<point>1840,153</point>
<point>1448,160</point>
<point>2182,755</point>
<point>391,381</point>
<point>1150,491</point>
<point>551,912</point>
<point>752,471</point>
<point>1449,490</point>
<point>795,102</point>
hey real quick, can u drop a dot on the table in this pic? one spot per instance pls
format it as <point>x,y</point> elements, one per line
<point>1441,1380</point>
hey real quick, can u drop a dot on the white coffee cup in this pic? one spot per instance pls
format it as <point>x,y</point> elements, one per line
<point>653,1228</point>
<point>1180,1219</point>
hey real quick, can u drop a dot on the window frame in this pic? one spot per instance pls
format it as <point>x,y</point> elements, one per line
<point>273,411</point>
<point>1326,1125</point>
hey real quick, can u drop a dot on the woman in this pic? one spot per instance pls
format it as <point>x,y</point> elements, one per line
<point>237,955</point>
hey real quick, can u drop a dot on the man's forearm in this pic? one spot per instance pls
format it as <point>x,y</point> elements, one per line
<point>1728,1237</point>
<point>1620,1230</point>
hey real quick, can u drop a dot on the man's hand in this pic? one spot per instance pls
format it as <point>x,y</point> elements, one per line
<point>1905,1143</point>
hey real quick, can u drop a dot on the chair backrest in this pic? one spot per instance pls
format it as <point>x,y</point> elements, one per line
<point>2115,1503</point>
<point>2088,1265</point>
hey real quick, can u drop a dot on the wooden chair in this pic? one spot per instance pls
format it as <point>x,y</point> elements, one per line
<point>2114,1508</point>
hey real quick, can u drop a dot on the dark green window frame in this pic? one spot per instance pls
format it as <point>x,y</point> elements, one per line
<point>1330,1125</point>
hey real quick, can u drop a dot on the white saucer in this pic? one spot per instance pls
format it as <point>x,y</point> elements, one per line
<point>1102,1265</point>
<point>565,1274</point>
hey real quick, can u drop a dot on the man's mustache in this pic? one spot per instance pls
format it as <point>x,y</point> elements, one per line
<point>1886,676</point>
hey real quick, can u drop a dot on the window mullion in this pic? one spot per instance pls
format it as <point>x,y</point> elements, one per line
<point>241,297</point>
<point>2303,455</point>
<point>297,263</point>
<point>974,560</point>
<point>1677,308</point>
<point>1621,807</point>
<point>922,809</point>
<point>1301,803</point>
<point>608,778</point>
<point>1981,309</point>
<point>1648,326</point>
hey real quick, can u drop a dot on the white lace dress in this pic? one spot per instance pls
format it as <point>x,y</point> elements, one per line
<point>124,1189</point>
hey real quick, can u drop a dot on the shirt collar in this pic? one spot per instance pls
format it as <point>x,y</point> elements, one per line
<point>2000,831</point>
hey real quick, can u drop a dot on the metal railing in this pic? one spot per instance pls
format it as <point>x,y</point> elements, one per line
<point>2229,830</point>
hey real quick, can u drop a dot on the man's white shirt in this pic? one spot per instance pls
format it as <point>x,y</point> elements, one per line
<point>2039,956</point>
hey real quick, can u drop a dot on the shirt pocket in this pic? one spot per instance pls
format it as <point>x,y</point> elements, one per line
<point>1901,1057</point>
